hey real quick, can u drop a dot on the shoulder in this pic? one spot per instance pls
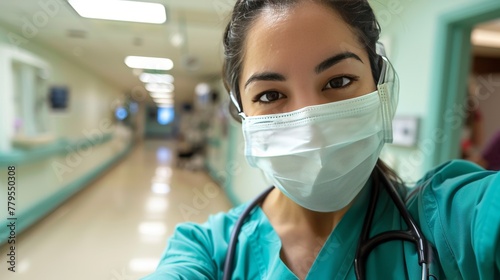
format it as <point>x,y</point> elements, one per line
<point>214,232</point>
<point>197,251</point>
<point>457,205</point>
<point>456,186</point>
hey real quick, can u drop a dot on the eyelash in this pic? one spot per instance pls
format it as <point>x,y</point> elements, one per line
<point>352,79</point>
<point>258,97</point>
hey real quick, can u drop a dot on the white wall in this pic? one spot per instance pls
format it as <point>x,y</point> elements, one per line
<point>88,118</point>
<point>91,99</point>
<point>409,27</point>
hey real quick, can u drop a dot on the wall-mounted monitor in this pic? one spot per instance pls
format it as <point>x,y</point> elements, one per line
<point>59,97</point>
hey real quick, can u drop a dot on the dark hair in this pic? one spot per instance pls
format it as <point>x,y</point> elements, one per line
<point>356,13</point>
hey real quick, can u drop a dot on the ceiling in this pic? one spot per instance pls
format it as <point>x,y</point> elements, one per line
<point>101,45</point>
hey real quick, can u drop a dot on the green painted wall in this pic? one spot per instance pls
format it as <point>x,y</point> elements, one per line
<point>410,30</point>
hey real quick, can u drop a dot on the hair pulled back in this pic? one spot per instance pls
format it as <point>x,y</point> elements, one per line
<point>356,13</point>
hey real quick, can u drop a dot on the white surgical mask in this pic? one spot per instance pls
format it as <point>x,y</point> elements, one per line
<point>321,156</point>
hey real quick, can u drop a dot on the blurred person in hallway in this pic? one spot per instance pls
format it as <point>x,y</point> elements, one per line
<point>473,130</point>
<point>491,154</point>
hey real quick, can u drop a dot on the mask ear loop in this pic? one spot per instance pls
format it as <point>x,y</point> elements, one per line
<point>386,91</point>
<point>239,115</point>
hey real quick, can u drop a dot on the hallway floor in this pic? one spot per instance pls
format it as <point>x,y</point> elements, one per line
<point>117,228</point>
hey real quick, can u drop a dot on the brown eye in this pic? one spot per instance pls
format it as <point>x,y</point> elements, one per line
<point>339,82</point>
<point>269,96</point>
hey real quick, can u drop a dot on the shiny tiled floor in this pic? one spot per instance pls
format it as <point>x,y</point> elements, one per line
<point>116,229</point>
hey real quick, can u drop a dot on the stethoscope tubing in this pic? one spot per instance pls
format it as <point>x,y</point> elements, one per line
<point>413,234</point>
<point>365,244</point>
<point>228,263</point>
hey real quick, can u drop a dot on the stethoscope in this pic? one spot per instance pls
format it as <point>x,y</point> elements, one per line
<point>365,243</point>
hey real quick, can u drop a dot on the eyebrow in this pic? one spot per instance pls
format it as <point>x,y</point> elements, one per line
<point>265,76</point>
<point>329,62</point>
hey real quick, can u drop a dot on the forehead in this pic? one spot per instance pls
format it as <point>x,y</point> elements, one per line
<point>300,35</point>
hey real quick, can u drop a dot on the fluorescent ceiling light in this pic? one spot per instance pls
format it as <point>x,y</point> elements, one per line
<point>160,88</point>
<point>163,101</point>
<point>485,38</point>
<point>120,10</point>
<point>165,105</point>
<point>161,94</point>
<point>156,78</point>
<point>144,62</point>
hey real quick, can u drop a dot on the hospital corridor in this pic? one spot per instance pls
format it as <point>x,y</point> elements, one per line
<point>117,227</point>
<point>188,139</point>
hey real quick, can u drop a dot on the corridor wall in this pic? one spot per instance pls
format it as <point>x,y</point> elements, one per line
<point>87,140</point>
<point>410,30</point>
<point>225,158</point>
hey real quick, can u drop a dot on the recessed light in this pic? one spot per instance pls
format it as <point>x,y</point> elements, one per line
<point>144,62</point>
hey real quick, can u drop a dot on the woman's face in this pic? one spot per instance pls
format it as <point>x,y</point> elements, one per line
<point>301,56</point>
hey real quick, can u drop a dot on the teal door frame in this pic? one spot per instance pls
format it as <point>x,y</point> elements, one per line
<point>452,66</point>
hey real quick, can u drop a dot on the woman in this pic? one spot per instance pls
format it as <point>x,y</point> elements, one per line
<point>317,103</point>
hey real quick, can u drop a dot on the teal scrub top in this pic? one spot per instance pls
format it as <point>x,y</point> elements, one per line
<point>457,207</point>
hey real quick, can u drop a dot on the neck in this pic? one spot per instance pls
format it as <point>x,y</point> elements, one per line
<point>284,213</point>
